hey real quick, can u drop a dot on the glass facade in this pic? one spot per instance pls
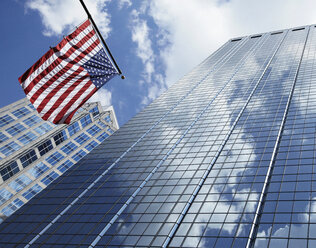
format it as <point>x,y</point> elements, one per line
<point>33,152</point>
<point>224,158</point>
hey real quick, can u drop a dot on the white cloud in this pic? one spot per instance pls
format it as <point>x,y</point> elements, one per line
<point>141,36</point>
<point>61,16</point>
<point>190,35</point>
<point>198,28</point>
<point>123,3</point>
<point>103,96</point>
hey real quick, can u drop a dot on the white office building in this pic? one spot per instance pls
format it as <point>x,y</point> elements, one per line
<point>34,152</point>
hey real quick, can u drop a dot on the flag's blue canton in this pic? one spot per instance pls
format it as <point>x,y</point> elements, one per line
<point>100,69</point>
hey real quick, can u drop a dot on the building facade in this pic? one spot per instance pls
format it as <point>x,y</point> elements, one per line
<point>34,152</point>
<point>224,158</point>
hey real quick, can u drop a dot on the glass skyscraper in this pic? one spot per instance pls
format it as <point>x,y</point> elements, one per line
<point>224,158</point>
<point>34,152</point>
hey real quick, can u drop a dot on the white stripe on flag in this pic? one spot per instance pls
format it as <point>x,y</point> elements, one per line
<point>78,51</point>
<point>67,99</point>
<point>77,102</point>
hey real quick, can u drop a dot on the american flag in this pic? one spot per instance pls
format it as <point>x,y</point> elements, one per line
<point>61,81</point>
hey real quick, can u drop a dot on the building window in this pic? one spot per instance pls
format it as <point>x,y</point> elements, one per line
<point>9,170</point>
<point>3,137</point>
<point>49,178</point>
<point>74,128</point>
<point>9,148</point>
<point>32,120</point>
<point>102,137</point>
<point>20,183</point>
<point>27,138</point>
<point>93,130</point>
<point>15,129</point>
<point>91,145</point>
<point>28,158</point>
<point>102,124</point>
<point>30,105</point>
<point>21,112</point>
<point>85,121</point>
<point>60,137</point>
<point>54,158</point>
<point>79,155</point>
<point>4,196</point>
<point>65,166</point>
<point>45,147</point>
<point>69,147</point>
<point>82,138</point>
<point>110,130</point>
<point>108,119</point>
<point>95,111</point>
<point>38,170</point>
<point>43,128</point>
<point>31,192</point>
<point>4,120</point>
<point>12,207</point>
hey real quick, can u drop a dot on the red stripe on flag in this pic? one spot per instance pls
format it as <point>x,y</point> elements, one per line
<point>49,53</point>
<point>57,62</point>
<point>28,89</point>
<point>76,47</point>
<point>60,100</point>
<point>73,35</point>
<point>68,119</point>
<point>61,85</point>
<point>62,113</point>
<point>86,52</point>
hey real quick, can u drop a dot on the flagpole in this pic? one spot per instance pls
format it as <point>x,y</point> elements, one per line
<point>101,37</point>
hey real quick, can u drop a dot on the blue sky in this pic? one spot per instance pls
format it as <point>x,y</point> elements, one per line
<point>154,42</point>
